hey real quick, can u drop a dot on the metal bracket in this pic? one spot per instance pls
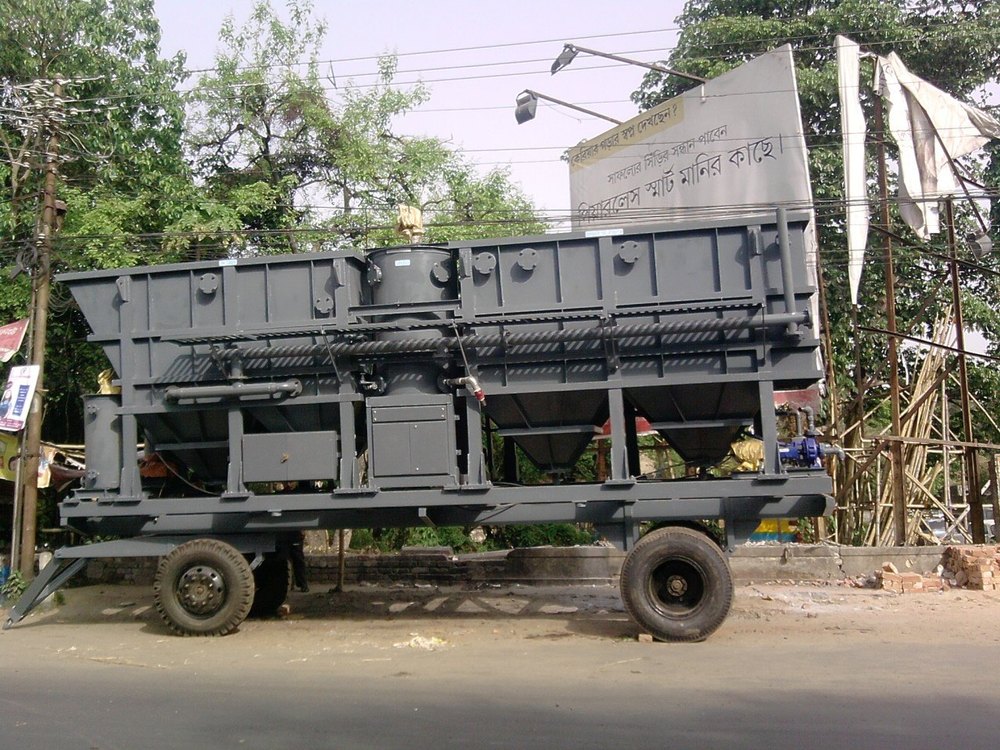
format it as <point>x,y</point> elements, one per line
<point>610,344</point>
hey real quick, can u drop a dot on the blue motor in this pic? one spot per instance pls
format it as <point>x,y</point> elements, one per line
<point>805,451</point>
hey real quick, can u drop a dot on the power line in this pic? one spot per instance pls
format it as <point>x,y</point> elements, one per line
<point>926,33</point>
<point>822,209</point>
<point>578,70</point>
<point>448,50</point>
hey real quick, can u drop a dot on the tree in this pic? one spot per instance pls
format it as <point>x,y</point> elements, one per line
<point>952,45</point>
<point>122,116</point>
<point>120,120</point>
<point>322,154</point>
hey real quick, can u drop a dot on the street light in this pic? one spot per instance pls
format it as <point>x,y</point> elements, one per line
<point>570,52</point>
<point>527,103</point>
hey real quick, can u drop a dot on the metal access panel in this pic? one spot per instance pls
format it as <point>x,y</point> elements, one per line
<point>103,436</point>
<point>411,441</point>
<point>290,456</point>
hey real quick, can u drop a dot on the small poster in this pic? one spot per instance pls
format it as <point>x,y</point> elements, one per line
<point>11,336</point>
<point>15,403</point>
<point>10,453</point>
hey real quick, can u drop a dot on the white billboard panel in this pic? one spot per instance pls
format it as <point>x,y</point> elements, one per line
<point>732,145</point>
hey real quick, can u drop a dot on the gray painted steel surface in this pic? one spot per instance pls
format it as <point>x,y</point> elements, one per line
<point>345,371</point>
<point>341,389</point>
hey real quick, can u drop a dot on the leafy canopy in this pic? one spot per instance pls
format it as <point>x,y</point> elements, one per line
<point>951,44</point>
<point>324,153</point>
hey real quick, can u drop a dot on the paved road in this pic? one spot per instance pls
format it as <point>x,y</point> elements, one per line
<point>793,668</point>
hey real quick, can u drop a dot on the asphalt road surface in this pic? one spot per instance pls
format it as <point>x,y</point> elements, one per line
<point>793,667</point>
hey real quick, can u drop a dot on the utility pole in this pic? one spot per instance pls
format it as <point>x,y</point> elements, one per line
<point>895,446</point>
<point>39,322</point>
<point>974,499</point>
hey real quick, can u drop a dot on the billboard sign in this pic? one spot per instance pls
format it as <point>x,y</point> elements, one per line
<point>734,143</point>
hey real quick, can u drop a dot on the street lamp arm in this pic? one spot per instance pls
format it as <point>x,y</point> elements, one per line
<point>570,51</point>
<point>527,100</point>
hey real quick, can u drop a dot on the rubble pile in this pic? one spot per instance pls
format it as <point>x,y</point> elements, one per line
<point>890,579</point>
<point>973,567</point>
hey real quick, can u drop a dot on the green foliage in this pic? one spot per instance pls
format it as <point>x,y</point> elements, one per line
<point>393,540</point>
<point>123,119</point>
<point>497,537</point>
<point>474,207</point>
<point>13,587</point>
<point>264,122</point>
<point>951,44</point>
<point>539,535</point>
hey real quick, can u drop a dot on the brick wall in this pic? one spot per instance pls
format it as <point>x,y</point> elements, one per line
<point>440,568</point>
<point>549,565</point>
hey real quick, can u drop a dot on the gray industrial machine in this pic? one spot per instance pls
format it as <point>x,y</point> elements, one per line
<point>379,383</point>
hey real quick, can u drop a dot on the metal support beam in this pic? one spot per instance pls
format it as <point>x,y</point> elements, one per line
<point>769,430</point>
<point>619,441</point>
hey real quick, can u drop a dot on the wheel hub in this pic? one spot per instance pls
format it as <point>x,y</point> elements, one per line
<point>201,590</point>
<point>677,585</point>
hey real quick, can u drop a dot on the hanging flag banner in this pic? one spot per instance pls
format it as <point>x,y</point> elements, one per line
<point>11,336</point>
<point>17,397</point>
<point>854,128</point>
<point>931,128</point>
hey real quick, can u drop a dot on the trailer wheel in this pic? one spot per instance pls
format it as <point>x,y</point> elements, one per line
<point>270,580</point>
<point>676,584</point>
<point>203,587</point>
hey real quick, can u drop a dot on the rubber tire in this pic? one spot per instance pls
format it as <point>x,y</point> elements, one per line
<point>698,561</point>
<point>270,586</point>
<point>236,576</point>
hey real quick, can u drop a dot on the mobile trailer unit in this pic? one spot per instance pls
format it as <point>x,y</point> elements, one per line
<point>379,382</point>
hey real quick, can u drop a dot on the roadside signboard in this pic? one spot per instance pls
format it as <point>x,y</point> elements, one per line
<point>732,145</point>
<point>15,403</point>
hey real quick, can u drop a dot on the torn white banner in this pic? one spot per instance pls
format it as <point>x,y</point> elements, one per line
<point>853,128</point>
<point>930,128</point>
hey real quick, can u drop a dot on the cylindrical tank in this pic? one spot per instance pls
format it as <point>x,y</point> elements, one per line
<point>412,279</point>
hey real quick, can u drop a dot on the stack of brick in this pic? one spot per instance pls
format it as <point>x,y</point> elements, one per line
<point>974,567</point>
<point>890,579</point>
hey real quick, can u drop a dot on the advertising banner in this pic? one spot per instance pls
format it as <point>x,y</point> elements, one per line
<point>11,336</point>
<point>15,403</point>
<point>732,145</point>
<point>11,452</point>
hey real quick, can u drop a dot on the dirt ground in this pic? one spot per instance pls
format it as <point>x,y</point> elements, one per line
<point>439,617</point>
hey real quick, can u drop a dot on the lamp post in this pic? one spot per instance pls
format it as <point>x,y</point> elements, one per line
<point>570,51</point>
<point>527,100</point>
<point>527,103</point>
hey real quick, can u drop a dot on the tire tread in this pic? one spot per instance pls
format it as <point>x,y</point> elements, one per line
<point>705,622</point>
<point>241,587</point>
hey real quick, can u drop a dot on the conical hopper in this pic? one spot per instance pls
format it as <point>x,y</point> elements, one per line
<point>704,418</point>
<point>553,429</point>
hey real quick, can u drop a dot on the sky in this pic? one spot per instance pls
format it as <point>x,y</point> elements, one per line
<point>475,57</point>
